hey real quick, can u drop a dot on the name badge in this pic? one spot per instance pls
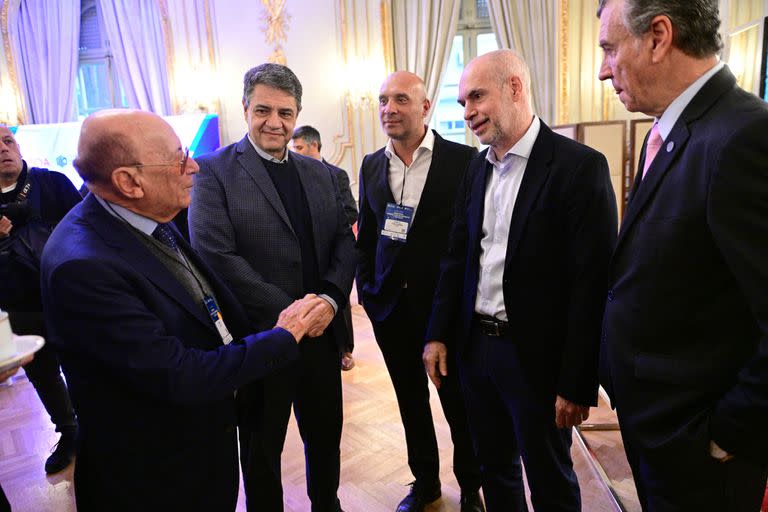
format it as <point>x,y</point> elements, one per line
<point>218,321</point>
<point>397,222</point>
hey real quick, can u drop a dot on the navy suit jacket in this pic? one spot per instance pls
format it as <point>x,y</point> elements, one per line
<point>347,199</point>
<point>562,230</point>
<point>150,380</point>
<point>685,334</point>
<point>386,265</point>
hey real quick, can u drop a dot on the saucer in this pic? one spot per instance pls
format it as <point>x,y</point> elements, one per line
<point>25,345</point>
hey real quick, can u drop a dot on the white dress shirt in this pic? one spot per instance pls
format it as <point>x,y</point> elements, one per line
<point>408,181</point>
<point>500,196</point>
<point>672,113</point>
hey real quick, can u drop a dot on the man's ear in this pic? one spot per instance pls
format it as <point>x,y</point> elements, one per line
<point>127,182</point>
<point>661,36</point>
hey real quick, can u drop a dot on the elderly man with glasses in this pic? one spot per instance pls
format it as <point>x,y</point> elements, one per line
<point>152,343</point>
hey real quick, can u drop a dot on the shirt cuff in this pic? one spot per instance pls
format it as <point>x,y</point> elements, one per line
<point>331,302</point>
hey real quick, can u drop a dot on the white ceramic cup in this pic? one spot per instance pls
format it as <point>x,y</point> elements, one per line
<point>7,345</point>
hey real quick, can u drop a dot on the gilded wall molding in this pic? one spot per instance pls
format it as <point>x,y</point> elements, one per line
<point>276,30</point>
<point>563,111</point>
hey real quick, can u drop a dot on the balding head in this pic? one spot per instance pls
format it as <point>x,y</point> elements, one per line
<point>132,158</point>
<point>495,90</point>
<point>403,107</point>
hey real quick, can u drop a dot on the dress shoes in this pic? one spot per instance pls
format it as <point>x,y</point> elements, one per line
<point>63,453</point>
<point>471,502</point>
<point>418,499</point>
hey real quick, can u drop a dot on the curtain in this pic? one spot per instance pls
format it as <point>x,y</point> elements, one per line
<point>135,34</point>
<point>45,35</point>
<point>529,28</point>
<point>422,38</point>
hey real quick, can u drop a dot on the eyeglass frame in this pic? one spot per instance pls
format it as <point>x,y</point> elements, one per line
<point>182,163</point>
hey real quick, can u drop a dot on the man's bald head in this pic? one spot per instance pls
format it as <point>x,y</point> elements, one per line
<point>403,107</point>
<point>504,65</point>
<point>495,91</point>
<point>135,159</point>
<point>113,138</point>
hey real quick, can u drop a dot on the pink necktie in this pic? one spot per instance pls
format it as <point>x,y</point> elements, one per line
<point>652,147</point>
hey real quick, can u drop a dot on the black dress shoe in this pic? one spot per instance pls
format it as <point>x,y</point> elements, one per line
<point>63,453</point>
<point>471,502</point>
<point>417,499</point>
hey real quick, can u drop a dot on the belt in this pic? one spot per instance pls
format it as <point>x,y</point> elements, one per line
<point>491,326</point>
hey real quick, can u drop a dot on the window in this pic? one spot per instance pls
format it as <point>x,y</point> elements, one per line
<point>97,86</point>
<point>474,37</point>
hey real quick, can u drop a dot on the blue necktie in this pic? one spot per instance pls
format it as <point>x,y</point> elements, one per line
<point>164,234</point>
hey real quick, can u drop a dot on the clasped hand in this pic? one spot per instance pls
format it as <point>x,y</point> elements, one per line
<point>5,226</point>
<point>308,316</point>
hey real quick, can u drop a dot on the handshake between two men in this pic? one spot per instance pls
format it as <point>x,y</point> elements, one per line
<point>308,316</point>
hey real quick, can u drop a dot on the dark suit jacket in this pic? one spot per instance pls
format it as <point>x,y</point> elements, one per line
<point>563,226</point>
<point>685,334</point>
<point>347,199</point>
<point>240,226</point>
<point>149,378</point>
<point>386,265</point>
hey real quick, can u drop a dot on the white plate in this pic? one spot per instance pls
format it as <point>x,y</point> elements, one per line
<point>25,345</point>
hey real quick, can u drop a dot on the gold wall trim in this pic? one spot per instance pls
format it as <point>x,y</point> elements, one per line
<point>386,37</point>
<point>276,31</point>
<point>10,61</point>
<point>564,113</point>
<point>345,140</point>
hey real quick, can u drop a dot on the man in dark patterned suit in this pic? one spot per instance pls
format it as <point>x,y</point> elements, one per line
<point>272,223</point>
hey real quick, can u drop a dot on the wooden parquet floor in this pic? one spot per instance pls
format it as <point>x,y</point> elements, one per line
<point>374,472</point>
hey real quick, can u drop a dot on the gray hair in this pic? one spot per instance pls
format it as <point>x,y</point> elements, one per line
<point>309,134</point>
<point>695,22</point>
<point>276,76</point>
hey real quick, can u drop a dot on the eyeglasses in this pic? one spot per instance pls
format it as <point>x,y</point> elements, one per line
<point>182,163</point>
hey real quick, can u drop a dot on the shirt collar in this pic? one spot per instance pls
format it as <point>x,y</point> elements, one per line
<point>266,156</point>
<point>675,109</point>
<point>427,144</point>
<point>522,147</point>
<point>143,224</point>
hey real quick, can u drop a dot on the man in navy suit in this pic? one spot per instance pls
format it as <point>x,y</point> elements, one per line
<point>272,223</point>
<point>152,343</point>
<point>416,175</point>
<point>522,287</point>
<point>685,334</point>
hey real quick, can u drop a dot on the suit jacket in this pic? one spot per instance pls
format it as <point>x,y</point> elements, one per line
<point>386,265</point>
<point>51,196</point>
<point>685,334</point>
<point>347,199</point>
<point>152,385</point>
<point>562,230</point>
<point>240,226</point>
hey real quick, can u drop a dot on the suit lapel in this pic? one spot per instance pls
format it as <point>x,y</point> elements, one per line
<point>118,236</point>
<point>476,208</point>
<point>434,191</point>
<point>536,173</point>
<point>309,182</point>
<point>380,179</point>
<point>673,147</point>
<point>251,162</point>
